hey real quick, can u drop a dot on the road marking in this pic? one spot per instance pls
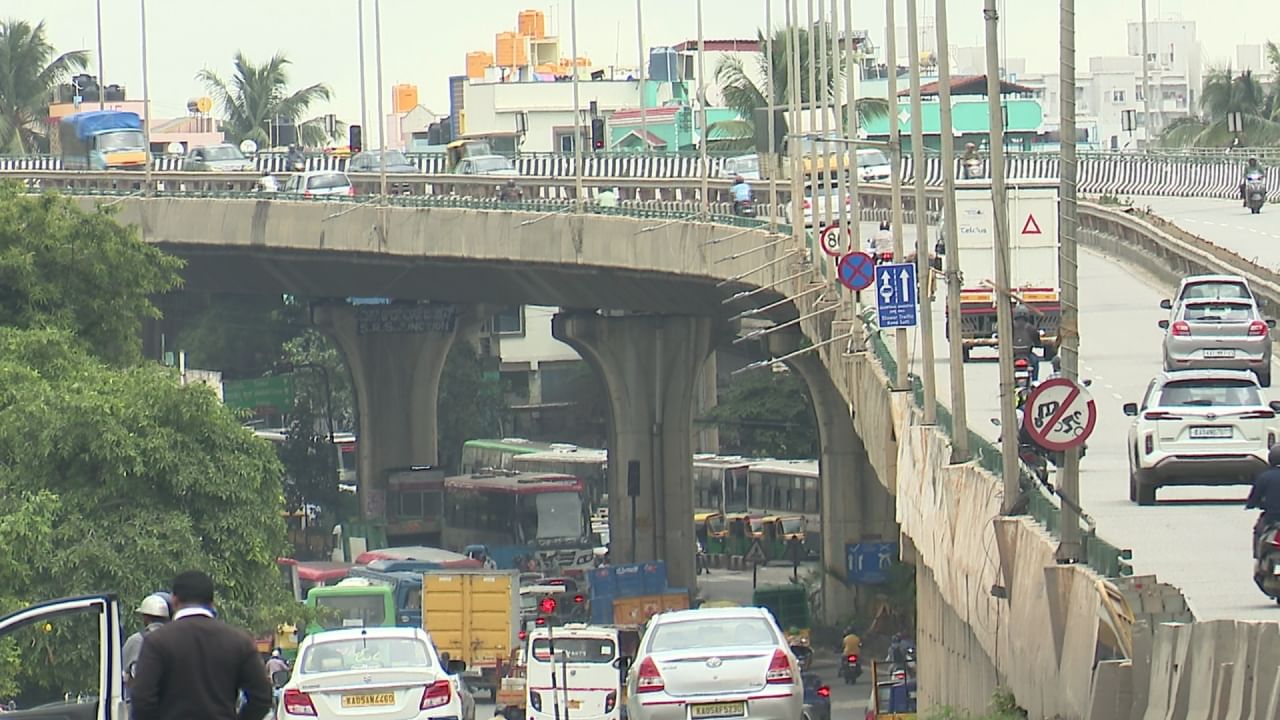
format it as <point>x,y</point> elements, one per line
<point>1117,396</point>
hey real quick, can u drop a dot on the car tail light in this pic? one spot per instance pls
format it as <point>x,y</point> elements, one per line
<point>1275,539</point>
<point>648,679</point>
<point>436,694</point>
<point>610,701</point>
<point>540,622</point>
<point>297,702</point>
<point>306,193</point>
<point>824,691</point>
<point>1150,444</point>
<point>1160,415</point>
<point>535,700</point>
<point>1257,328</point>
<point>1180,329</point>
<point>900,676</point>
<point>852,659</point>
<point>579,599</point>
<point>1260,415</point>
<point>779,670</point>
<point>1020,363</point>
<point>523,635</point>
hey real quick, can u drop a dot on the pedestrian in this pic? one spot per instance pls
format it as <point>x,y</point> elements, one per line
<point>154,610</point>
<point>196,666</point>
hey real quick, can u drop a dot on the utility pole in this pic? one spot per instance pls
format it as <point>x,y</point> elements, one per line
<point>1149,126</point>
<point>794,153</point>
<point>644,89</point>
<point>773,101</point>
<point>703,135</point>
<point>382,118</point>
<point>959,405</point>
<point>1000,219</point>
<point>1070,551</point>
<point>102,79</point>
<point>901,382</point>
<point>923,268</point>
<point>364,111</point>
<point>146,102</point>
<point>577,110</point>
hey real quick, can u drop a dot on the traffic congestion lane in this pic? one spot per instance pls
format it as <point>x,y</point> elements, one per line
<point>1197,538</point>
<point>1225,223</point>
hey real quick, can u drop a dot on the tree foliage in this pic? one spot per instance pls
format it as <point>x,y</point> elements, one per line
<point>257,94</point>
<point>470,403</point>
<point>1225,92</point>
<point>80,271</point>
<point>766,414</point>
<point>30,69</point>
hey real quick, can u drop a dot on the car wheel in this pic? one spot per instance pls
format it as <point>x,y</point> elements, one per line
<point>1264,377</point>
<point>1141,490</point>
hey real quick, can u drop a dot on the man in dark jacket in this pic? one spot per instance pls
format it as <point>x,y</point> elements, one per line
<point>1026,336</point>
<point>195,667</point>
<point>1265,496</point>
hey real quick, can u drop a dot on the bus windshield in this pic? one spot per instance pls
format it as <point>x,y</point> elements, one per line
<point>123,140</point>
<point>355,610</point>
<point>553,515</point>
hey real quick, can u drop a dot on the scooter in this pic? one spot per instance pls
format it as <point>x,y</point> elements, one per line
<point>1022,374</point>
<point>1255,192</point>
<point>1266,566</point>
<point>850,669</point>
<point>744,208</point>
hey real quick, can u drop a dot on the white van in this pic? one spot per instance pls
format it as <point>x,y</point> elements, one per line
<point>587,673</point>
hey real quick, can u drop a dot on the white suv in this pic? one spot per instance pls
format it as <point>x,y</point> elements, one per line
<point>1199,427</point>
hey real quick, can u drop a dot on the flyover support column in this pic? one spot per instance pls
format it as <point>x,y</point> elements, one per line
<point>856,508</point>
<point>650,366</point>
<point>395,354</point>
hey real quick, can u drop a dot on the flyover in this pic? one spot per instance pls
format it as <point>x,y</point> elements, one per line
<point>1052,626</point>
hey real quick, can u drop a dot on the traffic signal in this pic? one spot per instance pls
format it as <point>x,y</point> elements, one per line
<point>597,133</point>
<point>547,606</point>
<point>355,138</point>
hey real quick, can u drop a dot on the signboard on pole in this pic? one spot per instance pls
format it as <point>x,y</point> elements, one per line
<point>868,563</point>
<point>897,295</point>
<point>1060,414</point>
<point>835,240</point>
<point>857,271</point>
<point>266,395</point>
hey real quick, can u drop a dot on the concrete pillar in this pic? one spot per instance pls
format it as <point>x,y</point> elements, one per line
<point>855,506</point>
<point>395,356</point>
<point>650,367</point>
<point>706,438</point>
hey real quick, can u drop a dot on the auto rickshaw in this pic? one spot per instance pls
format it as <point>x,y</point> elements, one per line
<point>711,531</point>
<point>739,537</point>
<point>894,698</point>
<point>778,533</point>
<point>789,605</point>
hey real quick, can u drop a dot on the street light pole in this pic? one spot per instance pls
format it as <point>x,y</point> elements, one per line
<point>577,109</point>
<point>703,136</point>
<point>102,79</point>
<point>364,112</point>
<point>644,86</point>
<point>1000,218</point>
<point>923,268</point>
<point>771,157</point>
<point>146,100</point>
<point>901,382</point>
<point>382,118</point>
<point>959,404</point>
<point>1146,84</point>
<point>1070,550</point>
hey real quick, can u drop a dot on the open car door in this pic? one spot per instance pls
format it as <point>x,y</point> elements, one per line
<point>98,687</point>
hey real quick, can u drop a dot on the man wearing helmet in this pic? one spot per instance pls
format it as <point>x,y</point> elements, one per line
<point>741,193</point>
<point>1265,496</point>
<point>154,610</point>
<point>1253,168</point>
<point>1026,336</point>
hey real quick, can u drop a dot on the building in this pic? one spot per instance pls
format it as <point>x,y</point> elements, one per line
<point>407,118</point>
<point>196,128</point>
<point>970,117</point>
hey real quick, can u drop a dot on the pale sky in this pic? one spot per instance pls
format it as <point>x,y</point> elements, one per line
<point>425,41</point>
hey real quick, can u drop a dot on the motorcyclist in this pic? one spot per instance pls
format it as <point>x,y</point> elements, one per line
<point>852,643</point>
<point>268,183</point>
<point>884,242</point>
<point>1252,168</point>
<point>1265,496</point>
<point>972,163</point>
<point>297,159</point>
<point>1026,336</point>
<point>509,193</point>
<point>741,193</point>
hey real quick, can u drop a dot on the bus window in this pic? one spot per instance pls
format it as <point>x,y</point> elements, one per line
<point>356,610</point>
<point>559,515</point>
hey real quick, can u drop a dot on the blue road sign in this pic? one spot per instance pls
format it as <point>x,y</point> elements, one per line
<point>897,295</point>
<point>868,563</point>
<point>856,271</point>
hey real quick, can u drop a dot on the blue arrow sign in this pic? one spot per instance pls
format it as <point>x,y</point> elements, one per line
<point>868,563</point>
<point>897,295</point>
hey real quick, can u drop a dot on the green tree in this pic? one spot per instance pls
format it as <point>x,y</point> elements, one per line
<point>1223,93</point>
<point>766,414</point>
<point>257,94</point>
<point>470,403</point>
<point>744,95</point>
<point>30,69</point>
<point>241,335</point>
<point>80,271</point>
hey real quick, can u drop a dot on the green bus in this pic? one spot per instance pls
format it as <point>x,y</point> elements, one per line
<point>490,454</point>
<point>354,602</point>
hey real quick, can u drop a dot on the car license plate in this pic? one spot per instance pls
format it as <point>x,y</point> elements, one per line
<point>575,704</point>
<point>718,710</point>
<point>368,700</point>
<point>1220,354</point>
<point>1214,433</point>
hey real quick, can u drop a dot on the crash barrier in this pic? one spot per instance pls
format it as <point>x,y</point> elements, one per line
<point>1119,174</point>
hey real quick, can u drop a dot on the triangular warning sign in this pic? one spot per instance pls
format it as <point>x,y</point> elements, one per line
<point>1031,227</point>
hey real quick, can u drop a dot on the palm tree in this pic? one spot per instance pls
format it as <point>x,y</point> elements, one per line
<point>30,69</point>
<point>1223,93</point>
<point>745,96</point>
<point>258,94</point>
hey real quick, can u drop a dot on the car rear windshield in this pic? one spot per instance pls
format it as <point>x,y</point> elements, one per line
<point>709,633</point>
<point>1218,312</point>
<point>576,650</point>
<point>366,654</point>
<point>492,164</point>
<point>222,152</point>
<point>871,158</point>
<point>1215,291</point>
<point>329,180</point>
<point>1210,393</point>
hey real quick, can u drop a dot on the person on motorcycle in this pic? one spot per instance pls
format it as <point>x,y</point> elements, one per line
<point>741,193</point>
<point>267,183</point>
<point>884,242</point>
<point>1265,496</point>
<point>509,193</point>
<point>972,163</point>
<point>1252,168</point>
<point>1026,336</point>
<point>852,644</point>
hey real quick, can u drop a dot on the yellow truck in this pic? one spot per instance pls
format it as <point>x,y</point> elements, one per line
<point>473,616</point>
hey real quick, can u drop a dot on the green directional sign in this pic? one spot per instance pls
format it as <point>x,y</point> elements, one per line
<point>266,395</point>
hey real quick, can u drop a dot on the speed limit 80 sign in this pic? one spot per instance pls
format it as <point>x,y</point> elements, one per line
<point>1059,414</point>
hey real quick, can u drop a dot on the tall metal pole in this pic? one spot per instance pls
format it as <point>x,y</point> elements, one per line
<point>815,147</point>
<point>923,268</point>
<point>1148,122</point>
<point>959,404</point>
<point>102,78</point>
<point>644,86</point>
<point>577,109</point>
<point>382,118</point>
<point>901,382</point>
<point>1000,219</point>
<point>794,123</point>
<point>1069,329</point>
<point>853,73</point>
<point>818,63</point>
<point>703,136</point>
<point>146,100</point>
<point>364,111</point>
<point>773,101</point>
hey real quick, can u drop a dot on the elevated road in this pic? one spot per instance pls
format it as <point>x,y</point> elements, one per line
<point>1225,223</point>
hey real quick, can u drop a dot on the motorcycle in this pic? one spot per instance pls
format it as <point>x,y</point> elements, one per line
<point>744,208</point>
<point>1266,565</point>
<point>850,669</point>
<point>1255,192</point>
<point>1023,377</point>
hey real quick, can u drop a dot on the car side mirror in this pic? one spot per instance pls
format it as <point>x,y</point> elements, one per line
<point>995,421</point>
<point>622,662</point>
<point>1164,324</point>
<point>280,678</point>
<point>455,667</point>
<point>1131,409</point>
<point>1275,405</point>
<point>1166,304</point>
<point>1271,323</point>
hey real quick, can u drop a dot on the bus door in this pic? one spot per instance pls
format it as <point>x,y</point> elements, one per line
<point>587,681</point>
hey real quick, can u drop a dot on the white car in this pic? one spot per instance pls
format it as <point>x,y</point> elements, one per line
<point>1199,427</point>
<point>873,166</point>
<point>748,166</point>
<point>319,183</point>
<point>382,673</point>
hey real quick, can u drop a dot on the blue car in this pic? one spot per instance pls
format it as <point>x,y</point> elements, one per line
<point>817,698</point>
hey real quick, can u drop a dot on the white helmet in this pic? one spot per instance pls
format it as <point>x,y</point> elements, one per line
<point>154,605</point>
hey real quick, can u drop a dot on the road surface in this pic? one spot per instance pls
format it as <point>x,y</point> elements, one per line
<point>1225,223</point>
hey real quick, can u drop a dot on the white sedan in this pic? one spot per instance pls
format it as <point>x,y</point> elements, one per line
<point>1199,427</point>
<point>381,673</point>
